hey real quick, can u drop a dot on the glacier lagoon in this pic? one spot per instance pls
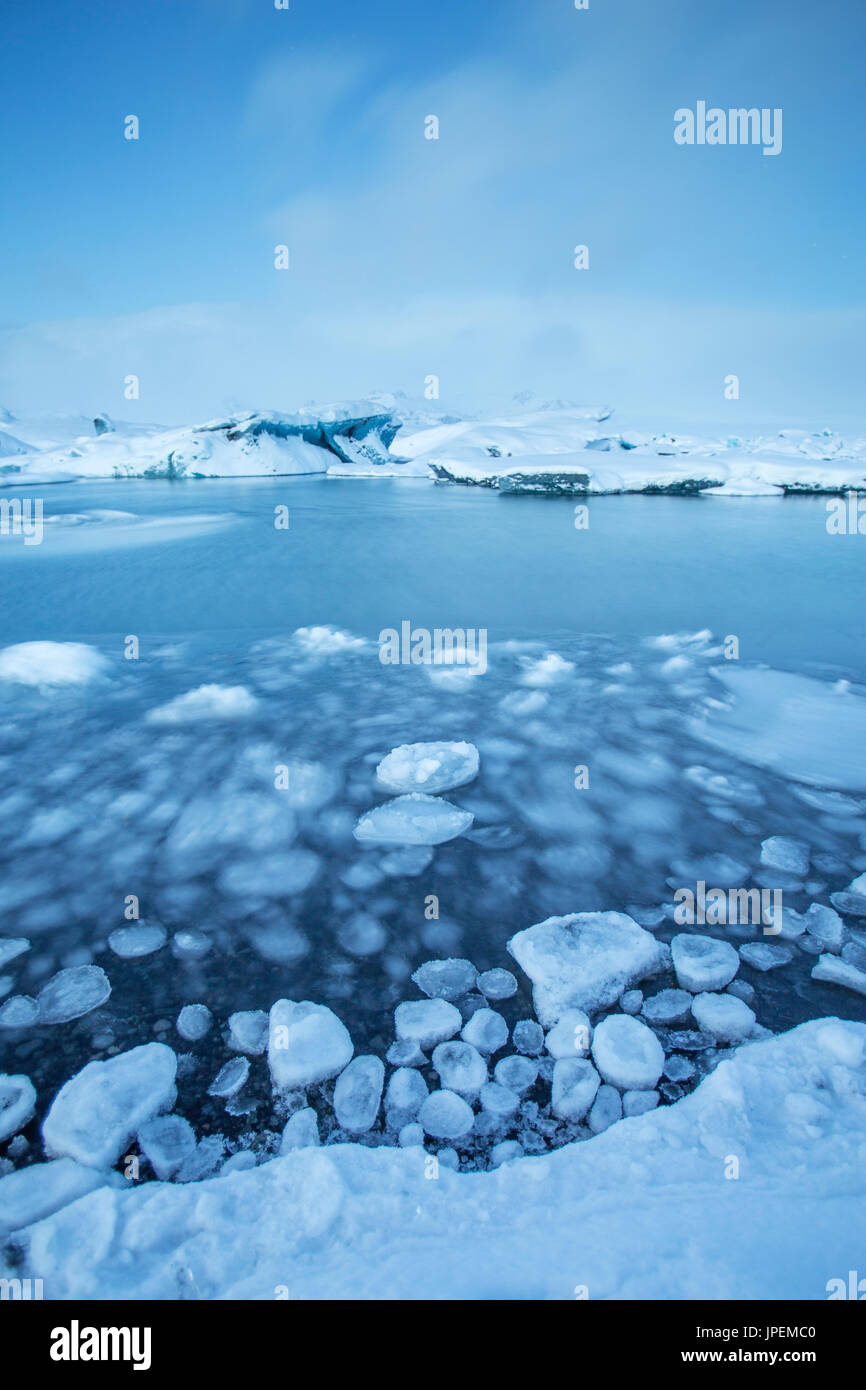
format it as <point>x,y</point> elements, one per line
<point>216,780</point>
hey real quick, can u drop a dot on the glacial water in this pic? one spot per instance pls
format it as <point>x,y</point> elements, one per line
<point>99,800</point>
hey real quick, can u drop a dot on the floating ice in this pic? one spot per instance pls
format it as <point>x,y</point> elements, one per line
<point>853,904</point>
<point>410,1136</point>
<point>586,960</point>
<point>358,1092</point>
<point>498,1100</point>
<point>166,1142</point>
<point>702,963</point>
<point>270,875</point>
<point>12,948</point>
<point>728,1018</point>
<point>575,1083</point>
<point>638,1102</point>
<point>48,664</point>
<point>99,1109</point>
<point>428,767</point>
<point>570,1036</point>
<point>407,862</point>
<point>497,983</point>
<point>407,1090</point>
<point>230,1078</point>
<point>19,1011</point>
<point>631,1001</point>
<point>17,1104</point>
<point>193,1021</point>
<point>486,1030</point>
<point>362,935</point>
<point>72,993</point>
<point>426,1021</point>
<point>783,852</point>
<point>415,819</point>
<point>838,972</point>
<point>516,1072</point>
<point>668,1006</point>
<point>460,1068</point>
<point>248,1031</point>
<point>207,702</point>
<point>307,1043</point>
<point>505,1151</point>
<point>301,1131</point>
<point>445,979</point>
<point>528,1037</point>
<point>760,955</point>
<point>142,939</point>
<point>445,1115</point>
<point>627,1053</point>
<point>606,1109</point>
<point>549,669</point>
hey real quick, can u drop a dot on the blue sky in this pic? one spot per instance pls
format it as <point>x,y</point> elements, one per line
<point>412,256</point>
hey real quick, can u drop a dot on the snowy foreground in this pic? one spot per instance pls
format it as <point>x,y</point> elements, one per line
<point>644,1210</point>
<point>285,1078</point>
<point>550,448</point>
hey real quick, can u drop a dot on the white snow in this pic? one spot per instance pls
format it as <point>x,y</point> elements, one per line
<point>73,992</point>
<point>703,963</point>
<point>51,664</point>
<point>613,1214</point>
<point>627,1053</point>
<point>99,1109</point>
<point>414,819</point>
<point>358,1093</point>
<point>428,767</point>
<point>586,960</point>
<point>307,1043</point>
<point>32,1193</point>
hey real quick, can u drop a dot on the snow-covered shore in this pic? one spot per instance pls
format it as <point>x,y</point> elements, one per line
<point>751,1188</point>
<point>552,448</point>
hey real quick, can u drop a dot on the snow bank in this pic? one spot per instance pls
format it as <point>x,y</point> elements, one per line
<point>650,1208</point>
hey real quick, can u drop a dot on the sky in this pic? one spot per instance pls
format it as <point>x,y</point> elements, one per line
<point>411,257</point>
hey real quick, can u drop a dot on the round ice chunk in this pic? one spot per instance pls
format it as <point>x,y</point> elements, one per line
<point>783,852</point>
<point>702,963</point>
<point>627,1053</point>
<point>631,1001</point>
<point>728,1018</point>
<point>17,1104</point>
<point>638,1102</point>
<point>571,1036</point>
<point>445,979</point>
<point>668,1006</point>
<point>407,1091</point>
<point>499,1100</point>
<point>606,1109</point>
<point>528,1036</point>
<point>193,1021</point>
<point>518,1073</point>
<point>428,767</point>
<point>248,1031</point>
<point>19,1011</point>
<point>415,819</point>
<point>410,1136</point>
<point>307,1043</point>
<point>760,955</point>
<point>445,1115</point>
<point>230,1078</point>
<point>358,1092</point>
<point>486,1030</point>
<point>575,1083</point>
<point>97,1111</point>
<point>460,1067</point>
<point>301,1131</point>
<point>165,1142</point>
<point>405,1052</point>
<point>72,993</point>
<point>505,1151</point>
<point>362,934</point>
<point>426,1021</point>
<point>142,939</point>
<point>497,984</point>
